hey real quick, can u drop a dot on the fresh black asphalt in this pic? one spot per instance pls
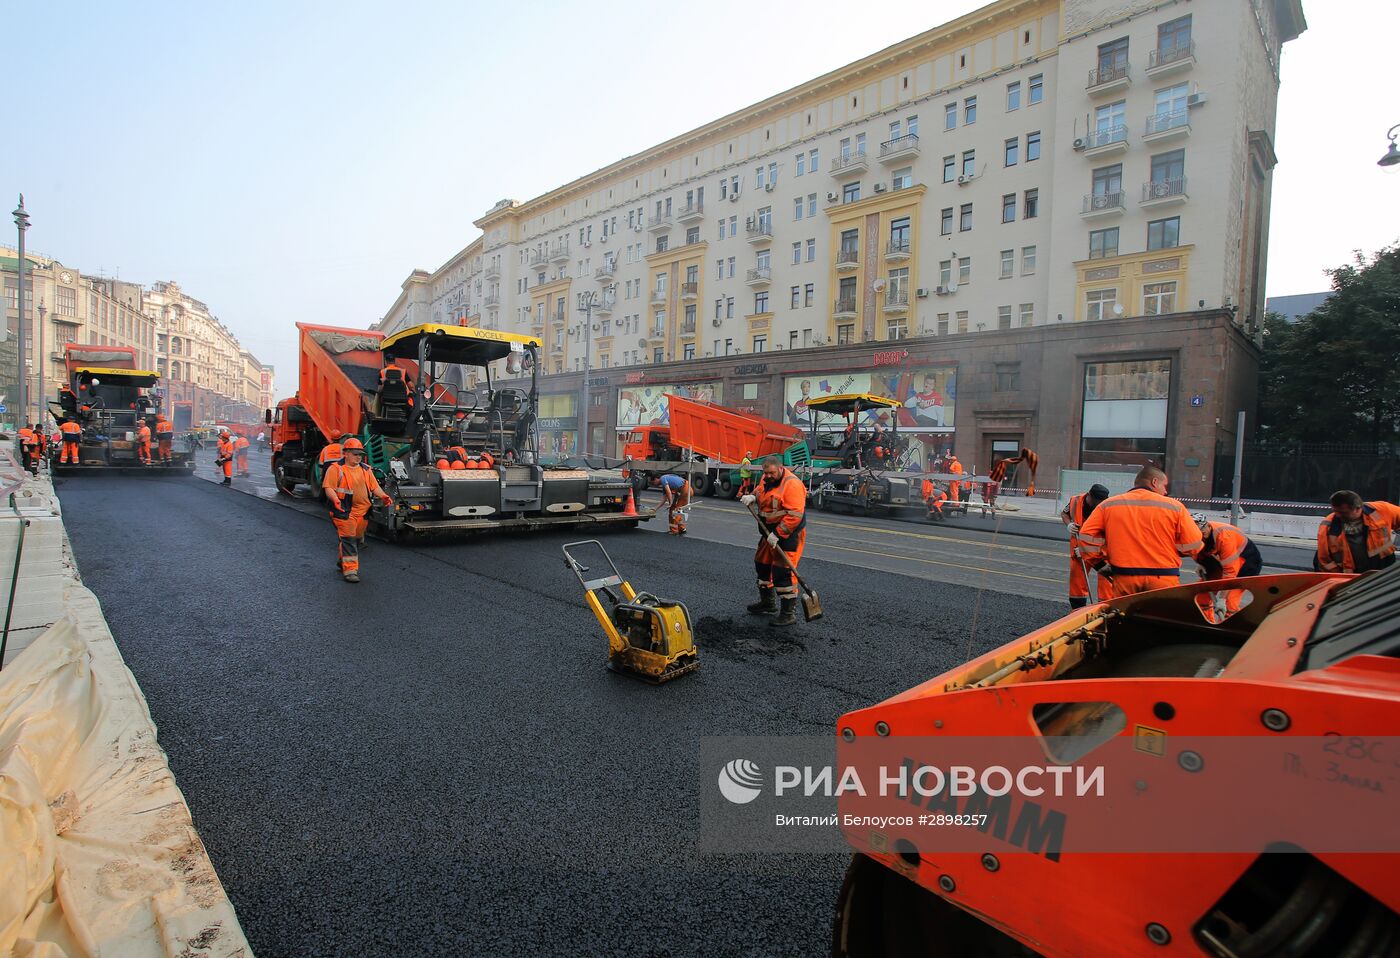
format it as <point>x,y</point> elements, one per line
<point>435,762</point>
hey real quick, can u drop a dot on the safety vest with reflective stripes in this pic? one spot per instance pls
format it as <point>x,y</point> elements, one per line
<point>1140,533</point>
<point>783,508</point>
<point>355,483</point>
<point>71,431</point>
<point>1333,550</point>
<point>164,428</point>
<point>1227,544</point>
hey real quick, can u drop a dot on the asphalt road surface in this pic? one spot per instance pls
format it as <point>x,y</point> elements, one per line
<point>435,761</point>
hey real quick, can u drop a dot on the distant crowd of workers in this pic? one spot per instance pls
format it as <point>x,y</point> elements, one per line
<point>152,445</point>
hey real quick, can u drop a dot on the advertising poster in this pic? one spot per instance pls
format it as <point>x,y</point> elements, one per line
<point>646,405</point>
<point>927,395</point>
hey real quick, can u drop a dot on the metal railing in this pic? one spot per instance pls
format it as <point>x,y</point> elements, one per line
<point>606,271</point>
<point>1164,189</point>
<point>897,298</point>
<point>557,316</point>
<point>854,158</point>
<point>1094,202</point>
<point>1107,135</point>
<point>1162,122</point>
<point>687,329</point>
<point>692,209</point>
<point>759,228</point>
<point>844,306</point>
<point>663,222</point>
<point>897,248</point>
<point>847,257</point>
<point>690,289</point>
<point>1163,56</point>
<point>760,273</point>
<point>658,296</point>
<point>909,141</point>
<point>1108,73</point>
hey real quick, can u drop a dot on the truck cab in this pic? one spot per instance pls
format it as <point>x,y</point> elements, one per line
<point>648,442</point>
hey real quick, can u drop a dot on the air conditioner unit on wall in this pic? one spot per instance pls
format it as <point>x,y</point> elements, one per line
<point>733,197</point>
<point>716,323</point>
<point>941,291</point>
<point>921,293</point>
<point>770,187</point>
<point>832,197</point>
<point>880,187</point>
<point>1196,99</point>
<point>1080,144</point>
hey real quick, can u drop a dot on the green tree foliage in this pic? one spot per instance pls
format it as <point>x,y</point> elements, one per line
<point>1334,376</point>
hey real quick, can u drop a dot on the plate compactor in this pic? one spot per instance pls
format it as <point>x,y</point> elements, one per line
<point>649,637</point>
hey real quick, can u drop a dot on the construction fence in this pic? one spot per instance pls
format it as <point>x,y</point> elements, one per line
<point>1310,472</point>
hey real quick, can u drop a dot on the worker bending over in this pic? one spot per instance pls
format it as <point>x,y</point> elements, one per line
<point>1358,536</point>
<point>224,458</point>
<point>951,464</point>
<point>934,497</point>
<point>350,488</point>
<point>1141,535</point>
<point>72,435</point>
<point>1076,511</point>
<point>29,448</point>
<point>240,449</point>
<point>1226,553</point>
<point>143,442</point>
<point>781,499</point>
<point>676,489</point>
<point>165,432</point>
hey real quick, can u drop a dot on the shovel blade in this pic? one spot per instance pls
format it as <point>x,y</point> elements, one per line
<point>811,607</point>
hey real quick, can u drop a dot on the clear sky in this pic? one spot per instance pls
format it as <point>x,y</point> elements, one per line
<point>295,160</point>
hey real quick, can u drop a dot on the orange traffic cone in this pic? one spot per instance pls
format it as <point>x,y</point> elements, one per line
<point>631,509</point>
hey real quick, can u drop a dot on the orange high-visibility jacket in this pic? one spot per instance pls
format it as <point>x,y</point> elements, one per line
<point>1333,552</point>
<point>784,507</point>
<point>241,443</point>
<point>1077,510</point>
<point>71,430</point>
<point>225,448</point>
<point>1140,533</point>
<point>356,483</point>
<point>330,453</point>
<point>164,427</point>
<point>143,433</point>
<point>1229,545</point>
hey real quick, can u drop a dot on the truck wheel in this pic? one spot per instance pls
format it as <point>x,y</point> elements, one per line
<point>704,486</point>
<point>640,482</point>
<point>725,487</point>
<point>285,485</point>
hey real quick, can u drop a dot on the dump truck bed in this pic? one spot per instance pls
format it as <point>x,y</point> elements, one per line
<point>339,373</point>
<point>728,435</point>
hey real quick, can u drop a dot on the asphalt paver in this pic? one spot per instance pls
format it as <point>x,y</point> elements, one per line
<point>435,761</point>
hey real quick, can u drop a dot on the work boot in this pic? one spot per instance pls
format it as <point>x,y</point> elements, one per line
<point>227,482</point>
<point>788,615</point>
<point>767,603</point>
<point>352,577</point>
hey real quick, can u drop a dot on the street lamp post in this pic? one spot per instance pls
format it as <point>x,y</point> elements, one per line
<point>1392,155</point>
<point>21,400</point>
<point>39,394</point>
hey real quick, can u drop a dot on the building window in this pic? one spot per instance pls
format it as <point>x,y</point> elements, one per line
<point>969,111</point>
<point>1008,208</point>
<point>945,273</point>
<point>1168,173</point>
<point>1164,234</point>
<point>813,163</point>
<point>1008,263</point>
<point>850,192</point>
<point>845,334</point>
<point>945,226</point>
<point>688,351</point>
<point>1032,146</point>
<point>1008,375</point>
<point>1035,89</point>
<point>1125,412</point>
<point>1159,298</point>
<point>950,168</point>
<point>943,324</point>
<point>729,308</point>
<point>66,301</point>
<point>1099,303</point>
<point>897,293</point>
<point>902,179</point>
<point>1027,260</point>
<point>797,208</point>
<point>1011,151</point>
<point>796,253</point>
<point>1174,39</point>
<point>965,218</point>
<point>1108,186</point>
<point>1013,96</point>
<point>899,235</point>
<point>969,163</point>
<point>796,297</point>
<point>1032,205</point>
<point>1103,243</point>
<point>809,294</point>
<point>911,125</point>
<point>964,270</point>
<point>950,116</point>
<point>897,329</point>
<point>1028,314</point>
<point>1168,104</point>
<point>1003,317</point>
<point>760,301</point>
<point>811,251</point>
<point>760,345</point>
<point>801,164</point>
<point>811,202</point>
<point>1113,60</point>
<point>962,320</point>
<point>690,317</point>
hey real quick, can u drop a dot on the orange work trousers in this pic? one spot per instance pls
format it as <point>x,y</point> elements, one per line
<point>349,531</point>
<point>163,449</point>
<point>773,572</point>
<point>143,451</point>
<point>70,448</point>
<point>1133,584</point>
<point>242,463</point>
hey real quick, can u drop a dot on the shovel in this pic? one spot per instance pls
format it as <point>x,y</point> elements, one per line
<point>811,603</point>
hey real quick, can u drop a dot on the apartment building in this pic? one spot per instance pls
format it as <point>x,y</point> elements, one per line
<point>205,371</point>
<point>1035,163</point>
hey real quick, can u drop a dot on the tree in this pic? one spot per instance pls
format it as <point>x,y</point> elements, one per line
<point>1334,376</point>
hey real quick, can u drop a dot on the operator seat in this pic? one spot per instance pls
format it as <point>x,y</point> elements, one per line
<point>393,397</point>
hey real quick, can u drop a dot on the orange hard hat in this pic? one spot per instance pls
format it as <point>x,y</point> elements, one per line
<point>442,464</point>
<point>352,445</point>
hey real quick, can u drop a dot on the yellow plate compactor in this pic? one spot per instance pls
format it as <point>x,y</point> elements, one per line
<point>648,636</point>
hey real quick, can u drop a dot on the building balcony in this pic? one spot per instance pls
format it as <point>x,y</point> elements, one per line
<point>847,260</point>
<point>687,330</point>
<point>759,276</point>
<point>760,231</point>
<point>897,302</point>
<point>659,297</point>
<point>536,260</point>
<point>843,309</point>
<point>1108,78</point>
<point>1166,192</point>
<point>852,164</point>
<point>537,329</point>
<point>690,291</point>
<point>1172,59</point>
<point>557,317</point>
<point>493,272</point>
<point>660,224</point>
<point>556,348</point>
<point>900,148</point>
<point>605,272</point>
<point>1110,139</point>
<point>492,299</point>
<point>560,253</point>
<point>1167,126</point>
<point>691,213</point>
<point>604,306</point>
<point>897,251</point>
<point>1102,205</point>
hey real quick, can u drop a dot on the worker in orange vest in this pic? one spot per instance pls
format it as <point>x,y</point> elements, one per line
<point>1076,511</point>
<point>29,448</point>
<point>1142,536</point>
<point>330,455</point>
<point>1358,536</point>
<point>143,442</point>
<point>781,500</point>
<point>350,487</point>
<point>165,432</point>
<point>934,497</point>
<point>952,465</point>
<point>224,459</point>
<point>240,448</point>
<point>72,434</point>
<point>1226,553</point>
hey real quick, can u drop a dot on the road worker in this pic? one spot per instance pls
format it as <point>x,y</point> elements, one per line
<point>29,448</point>
<point>72,434</point>
<point>350,488</point>
<point>934,497</point>
<point>1142,536</point>
<point>746,475</point>
<point>143,442</point>
<point>224,456</point>
<point>240,449</point>
<point>330,454</point>
<point>781,501</point>
<point>41,437</point>
<point>1358,536</point>
<point>951,464</point>
<point>676,489</point>
<point>1073,515</point>
<point>165,432</point>
<point>1226,553</point>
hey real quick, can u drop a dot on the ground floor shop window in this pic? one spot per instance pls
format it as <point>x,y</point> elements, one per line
<point>1125,413</point>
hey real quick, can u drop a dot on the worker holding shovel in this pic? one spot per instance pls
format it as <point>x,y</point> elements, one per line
<point>677,491</point>
<point>780,502</point>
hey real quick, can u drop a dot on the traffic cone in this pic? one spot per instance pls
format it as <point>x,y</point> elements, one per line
<point>631,509</point>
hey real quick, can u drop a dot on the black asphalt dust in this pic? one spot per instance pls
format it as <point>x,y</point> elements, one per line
<point>435,761</point>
